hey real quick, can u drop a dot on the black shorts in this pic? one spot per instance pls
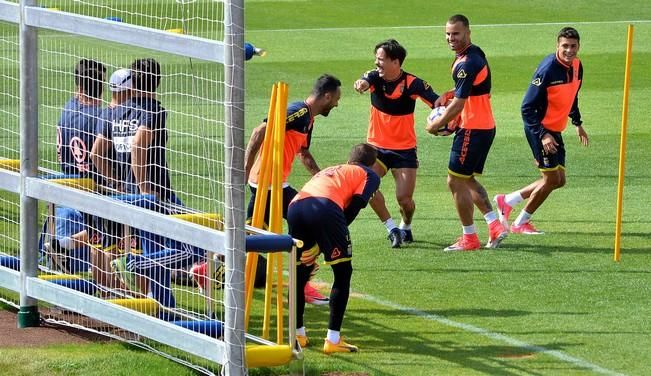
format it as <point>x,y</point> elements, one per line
<point>317,220</point>
<point>288,195</point>
<point>545,161</point>
<point>389,158</point>
<point>470,149</point>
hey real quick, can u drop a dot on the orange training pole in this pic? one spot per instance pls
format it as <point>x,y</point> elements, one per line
<point>622,145</point>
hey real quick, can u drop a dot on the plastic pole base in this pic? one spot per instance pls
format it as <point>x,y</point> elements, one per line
<point>28,317</point>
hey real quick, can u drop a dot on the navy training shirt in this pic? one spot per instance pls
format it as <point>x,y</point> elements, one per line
<point>76,132</point>
<point>121,130</point>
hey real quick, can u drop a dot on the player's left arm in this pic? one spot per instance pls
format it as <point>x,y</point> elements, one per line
<point>575,114</point>
<point>421,89</point>
<point>465,73</point>
<point>141,142</point>
<point>308,161</point>
<point>369,183</point>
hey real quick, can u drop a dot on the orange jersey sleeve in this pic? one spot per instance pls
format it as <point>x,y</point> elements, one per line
<point>472,78</point>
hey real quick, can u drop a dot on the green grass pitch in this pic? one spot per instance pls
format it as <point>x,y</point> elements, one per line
<point>546,305</point>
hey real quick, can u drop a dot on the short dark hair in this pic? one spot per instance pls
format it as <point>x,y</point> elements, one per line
<point>145,75</point>
<point>569,33</point>
<point>393,49</point>
<point>90,76</point>
<point>363,154</point>
<point>459,18</point>
<point>327,83</point>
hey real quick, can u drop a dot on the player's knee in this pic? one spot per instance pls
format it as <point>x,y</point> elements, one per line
<point>553,181</point>
<point>561,182</point>
<point>454,183</point>
<point>406,202</point>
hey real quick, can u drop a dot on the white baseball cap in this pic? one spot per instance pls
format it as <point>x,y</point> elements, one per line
<point>120,80</point>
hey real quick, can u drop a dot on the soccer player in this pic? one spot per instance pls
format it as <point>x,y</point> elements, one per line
<point>551,98</point>
<point>298,134</point>
<point>319,215</point>
<point>472,141</point>
<point>391,131</point>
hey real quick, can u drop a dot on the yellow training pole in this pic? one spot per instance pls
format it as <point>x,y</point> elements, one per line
<point>622,144</point>
<point>260,202</point>
<point>281,125</point>
<point>275,209</point>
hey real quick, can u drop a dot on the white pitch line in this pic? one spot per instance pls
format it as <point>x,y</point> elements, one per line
<point>495,336</point>
<point>346,29</point>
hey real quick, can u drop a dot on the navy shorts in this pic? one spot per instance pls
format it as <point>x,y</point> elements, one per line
<point>288,195</point>
<point>545,161</point>
<point>470,149</point>
<point>317,220</point>
<point>397,158</point>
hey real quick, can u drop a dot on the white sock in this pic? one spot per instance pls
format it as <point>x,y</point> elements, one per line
<point>513,198</point>
<point>333,336</point>
<point>467,230</point>
<point>389,224</point>
<point>404,226</point>
<point>490,217</point>
<point>523,218</point>
<point>300,331</point>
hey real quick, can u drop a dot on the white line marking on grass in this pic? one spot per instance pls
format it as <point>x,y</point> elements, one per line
<point>495,336</point>
<point>249,31</point>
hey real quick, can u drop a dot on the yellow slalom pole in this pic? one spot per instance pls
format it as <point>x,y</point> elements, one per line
<point>275,215</point>
<point>622,145</point>
<point>260,202</point>
<point>281,125</point>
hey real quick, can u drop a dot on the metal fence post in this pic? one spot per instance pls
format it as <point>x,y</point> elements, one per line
<point>234,335</point>
<point>28,315</point>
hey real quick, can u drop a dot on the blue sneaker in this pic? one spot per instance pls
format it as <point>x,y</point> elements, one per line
<point>407,236</point>
<point>395,237</point>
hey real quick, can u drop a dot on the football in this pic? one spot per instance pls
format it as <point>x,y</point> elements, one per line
<point>446,129</point>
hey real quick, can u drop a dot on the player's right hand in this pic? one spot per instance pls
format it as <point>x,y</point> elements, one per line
<point>549,144</point>
<point>361,86</point>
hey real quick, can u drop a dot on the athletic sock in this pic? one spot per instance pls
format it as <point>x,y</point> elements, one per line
<point>513,198</point>
<point>333,336</point>
<point>389,224</point>
<point>490,217</point>
<point>523,218</point>
<point>404,226</point>
<point>468,230</point>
